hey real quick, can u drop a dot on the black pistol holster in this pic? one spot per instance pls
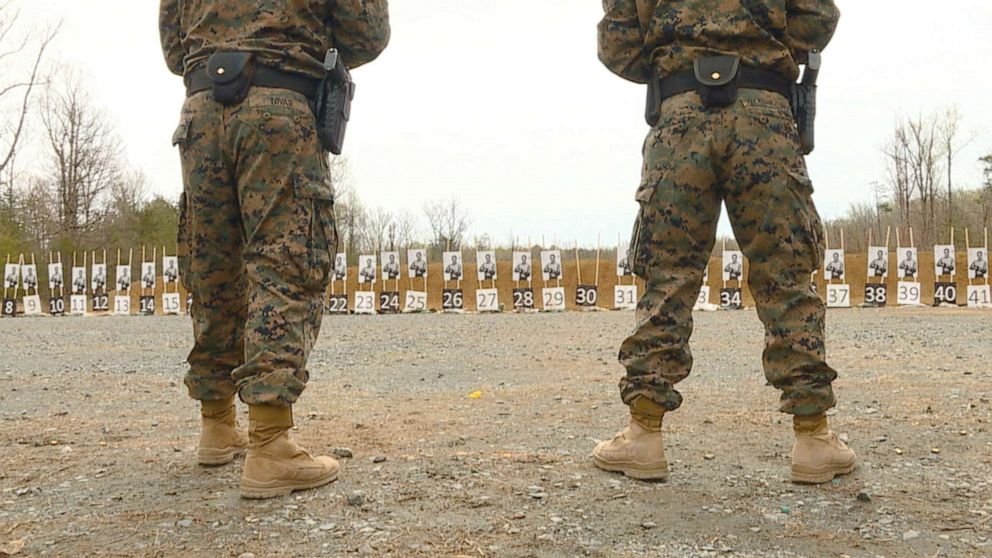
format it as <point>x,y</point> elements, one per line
<point>231,75</point>
<point>333,103</point>
<point>804,103</point>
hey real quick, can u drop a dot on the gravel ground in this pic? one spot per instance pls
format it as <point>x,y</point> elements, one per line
<point>97,441</point>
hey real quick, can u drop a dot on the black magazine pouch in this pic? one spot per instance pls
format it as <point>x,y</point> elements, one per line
<point>231,74</point>
<point>718,77</point>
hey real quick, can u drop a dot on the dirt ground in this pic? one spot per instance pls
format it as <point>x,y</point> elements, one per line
<point>97,443</point>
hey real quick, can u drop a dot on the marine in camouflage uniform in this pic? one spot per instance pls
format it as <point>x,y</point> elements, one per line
<point>257,233</point>
<point>747,155</point>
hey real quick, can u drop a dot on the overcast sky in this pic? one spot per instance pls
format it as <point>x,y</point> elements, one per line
<point>504,104</point>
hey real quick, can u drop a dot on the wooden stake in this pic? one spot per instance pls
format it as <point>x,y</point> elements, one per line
<point>599,243</point>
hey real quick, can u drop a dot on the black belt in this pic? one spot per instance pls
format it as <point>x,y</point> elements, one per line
<point>748,78</point>
<point>265,76</point>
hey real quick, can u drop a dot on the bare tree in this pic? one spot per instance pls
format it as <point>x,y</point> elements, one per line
<point>449,222</point>
<point>913,158</point>
<point>85,158</point>
<point>377,231</point>
<point>949,128</point>
<point>405,225</point>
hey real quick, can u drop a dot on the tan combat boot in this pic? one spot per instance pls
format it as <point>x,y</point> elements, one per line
<point>220,440</point>
<point>637,450</point>
<point>275,465</point>
<point>818,455</point>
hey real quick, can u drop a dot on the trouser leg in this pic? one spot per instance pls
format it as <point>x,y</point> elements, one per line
<point>287,210</point>
<point>671,244</point>
<point>210,237</point>
<point>771,209</point>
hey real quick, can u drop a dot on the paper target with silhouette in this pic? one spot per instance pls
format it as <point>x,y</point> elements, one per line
<point>11,276</point>
<point>878,262</point>
<point>148,278</point>
<point>98,283</point>
<point>834,266</point>
<point>624,268</point>
<point>123,276</point>
<point>486,261</point>
<point>417,263</point>
<point>170,269</point>
<point>733,265</point>
<point>341,266</point>
<point>453,268</point>
<point>391,269</point>
<point>78,280</point>
<point>978,263</point>
<point>523,267</point>
<point>367,270</point>
<point>551,265</point>
<point>56,279</point>
<point>944,262</point>
<point>909,263</point>
<point>29,277</point>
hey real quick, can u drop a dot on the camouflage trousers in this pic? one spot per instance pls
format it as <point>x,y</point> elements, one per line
<point>256,238</point>
<point>746,155</point>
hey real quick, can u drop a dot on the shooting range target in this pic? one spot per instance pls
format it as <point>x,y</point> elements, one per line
<point>11,274</point>
<point>389,302</point>
<point>170,271</point>
<point>624,268</point>
<point>453,268</point>
<point>170,303</point>
<point>909,263</point>
<point>838,296</point>
<point>99,282</point>
<point>418,263</point>
<point>703,299</point>
<point>452,299</point>
<point>945,293</point>
<point>367,273</point>
<point>341,267</point>
<point>978,264</point>
<point>364,302</point>
<point>979,296</point>
<point>944,261</point>
<point>56,279</point>
<point>148,277</point>
<point>29,278</point>
<point>523,299</point>
<point>523,268</point>
<point>625,297</point>
<point>487,300</point>
<point>391,269</point>
<point>834,268</point>
<point>908,293</point>
<point>731,299</point>
<point>733,265</point>
<point>416,301</point>
<point>551,265</point>
<point>554,299</point>
<point>878,265</point>
<point>337,304</point>
<point>486,261</point>
<point>586,296</point>
<point>79,280</point>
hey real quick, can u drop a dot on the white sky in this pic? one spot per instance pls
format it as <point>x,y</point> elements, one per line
<point>504,104</point>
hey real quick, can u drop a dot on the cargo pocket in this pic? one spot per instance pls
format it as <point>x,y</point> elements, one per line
<point>181,135</point>
<point>810,225</point>
<point>182,242</point>
<point>322,239</point>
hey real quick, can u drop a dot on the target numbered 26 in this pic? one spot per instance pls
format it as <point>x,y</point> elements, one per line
<point>625,297</point>
<point>487,300</point>
<point>586,296</point>
<point>876,294</point>
<point>731,299</point>
<point>945,293</point>
<point>979,296</point>
<point>337,304</point>
<point>523,299</point>
<point>907,293</point>
<point>838,296</point>
<point>415,301</point>
<point>389,302</point>
<point>364,302</point>
<point>553,299</point>
<point>452,299</point>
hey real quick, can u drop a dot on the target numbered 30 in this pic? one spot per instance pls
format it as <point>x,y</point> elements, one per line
<point>979,296</point>
<point>945,293</point>
<point>415,301</point>
<point>876,294</point>
<point>364,302</point>
<point>389,302</point>
<point>553,299</point>
<point>703,298</point>
<point>337,304</point>
<point>452,299</point>
<point>170,303</point>
<point>625,297</point>
<point>586,296</point>
<point>32,305</point>
<point>487,300</point>
<point>731,299</point>
<point>907,293</point>
<point>838,296</point>
<point>523,299</point>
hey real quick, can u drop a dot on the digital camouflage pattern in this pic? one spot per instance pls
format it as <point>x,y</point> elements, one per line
<point>746,155</point>
<point>256,233</point>
<point>292,36</point>
<point>635,35</point>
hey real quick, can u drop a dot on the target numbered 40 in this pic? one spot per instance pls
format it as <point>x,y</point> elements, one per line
<point>415,301</point>
<point>625,297</point>
<point>945,293</point>
<point>908,293</point>
<point>523,299</point>
<point>170,303</point>
<point>553,299</point>
<point>389,302</point>
<point>487,300</point>
<point>364,302</point>
<point>979,296</point>
<point>731,299</point>
<point>876,294</point>
<point>77,305</point>
<point>337,304</point>
<point>703,298</point>
<point>32,305</point>
<point>838,296</point>
<point>586,296</point>
<point>452,299</point>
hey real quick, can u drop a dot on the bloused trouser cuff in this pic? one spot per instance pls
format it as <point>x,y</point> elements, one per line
<point>746,155</point>
<point>259,239</point>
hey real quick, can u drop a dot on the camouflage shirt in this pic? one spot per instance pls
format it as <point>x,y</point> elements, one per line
<point>291,35</point>
<point>670,34</point>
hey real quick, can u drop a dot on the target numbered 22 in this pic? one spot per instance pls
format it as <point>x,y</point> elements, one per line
<point>337,304</point>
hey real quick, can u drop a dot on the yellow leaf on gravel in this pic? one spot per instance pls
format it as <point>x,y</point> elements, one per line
<point>475,395</point>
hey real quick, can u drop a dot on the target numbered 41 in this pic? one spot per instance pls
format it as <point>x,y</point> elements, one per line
<point>452,299</point>
<point>979,296</point>
<point>731,299</point>
<point>554,299</point>
<point>416,301</point>
<point>625,297</point>
<point>487,300</point>
<point>364,302</point>
<point>838,296</point>
<point>389,302</point>
<point>337,304</point>
<point>586,296</point>
<point>523,299</point>
<point>907,293</point>
<point>945,293</point>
